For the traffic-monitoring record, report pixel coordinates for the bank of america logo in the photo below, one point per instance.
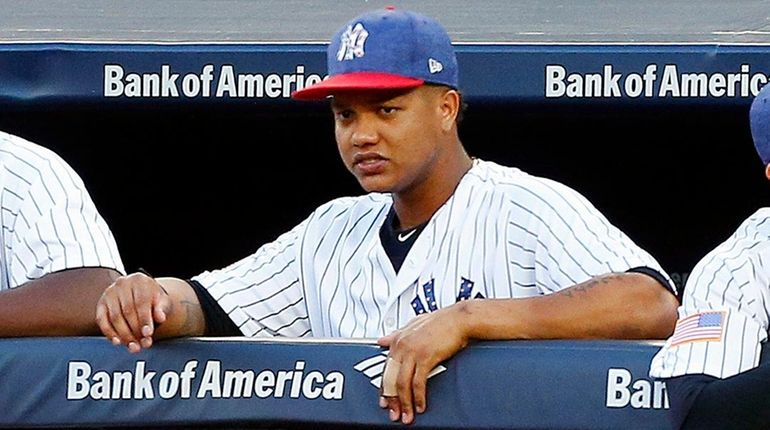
(373, 367)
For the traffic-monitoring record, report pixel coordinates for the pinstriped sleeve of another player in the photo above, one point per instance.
(262, 293)
(574, 241)
(723, 318)
(57, 226)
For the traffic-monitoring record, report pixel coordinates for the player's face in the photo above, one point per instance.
(391, 141)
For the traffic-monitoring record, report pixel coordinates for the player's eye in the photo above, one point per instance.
(343, 114)
(388, 110)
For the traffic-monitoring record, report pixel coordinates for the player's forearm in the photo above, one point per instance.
(58, 304)
(614, 306)
(185, 317)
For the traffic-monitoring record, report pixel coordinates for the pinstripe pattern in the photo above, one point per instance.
(49, 222)
(506, 233)
(734, 278)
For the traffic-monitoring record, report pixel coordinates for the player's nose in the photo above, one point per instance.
(364, 132)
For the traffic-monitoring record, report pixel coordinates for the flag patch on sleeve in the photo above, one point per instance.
(700, 327)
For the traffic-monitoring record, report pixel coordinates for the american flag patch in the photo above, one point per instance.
(703, 326)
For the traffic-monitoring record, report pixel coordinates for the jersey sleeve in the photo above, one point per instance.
(723, 318)
(262, 293)
(58, 228)
(575, 242)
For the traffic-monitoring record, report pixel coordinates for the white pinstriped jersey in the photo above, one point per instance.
(502, 234)
(49, 222)
(732, 283)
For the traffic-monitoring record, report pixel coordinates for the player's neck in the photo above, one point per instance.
(417, 205)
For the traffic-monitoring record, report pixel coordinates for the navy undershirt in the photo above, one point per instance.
(396, 242)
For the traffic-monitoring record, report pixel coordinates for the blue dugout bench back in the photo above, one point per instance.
(82, 382)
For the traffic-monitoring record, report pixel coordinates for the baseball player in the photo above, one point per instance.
(442, 250)
(57, 254)
(714, 362)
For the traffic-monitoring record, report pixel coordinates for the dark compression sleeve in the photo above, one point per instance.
(218, 323)
(738, 402)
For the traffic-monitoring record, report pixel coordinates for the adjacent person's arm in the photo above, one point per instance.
(58, 304)
(59, 253)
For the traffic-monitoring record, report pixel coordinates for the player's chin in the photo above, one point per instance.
(375, 184)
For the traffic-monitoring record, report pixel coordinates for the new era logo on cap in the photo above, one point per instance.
(434, 66)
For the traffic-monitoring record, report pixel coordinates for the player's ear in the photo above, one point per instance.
(767, 171)
(449, 109)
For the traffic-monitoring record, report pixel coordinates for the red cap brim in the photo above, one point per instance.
(356, 81)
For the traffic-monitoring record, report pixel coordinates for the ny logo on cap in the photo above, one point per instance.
(434, 66)
(352, 43)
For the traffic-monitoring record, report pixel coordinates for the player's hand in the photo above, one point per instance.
(415, 350)
(129, 309)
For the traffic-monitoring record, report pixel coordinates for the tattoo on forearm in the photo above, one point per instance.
(584, 287)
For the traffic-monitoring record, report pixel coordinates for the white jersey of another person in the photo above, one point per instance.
(49, 222)
(723, 319)
(502, 234)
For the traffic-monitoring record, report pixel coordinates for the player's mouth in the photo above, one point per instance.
(369, 163)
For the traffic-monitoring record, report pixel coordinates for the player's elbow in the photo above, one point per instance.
(663, 315)
(652, 308)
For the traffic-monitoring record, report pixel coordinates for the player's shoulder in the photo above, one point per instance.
(758, 224)
(30, 159)
(750, 240)
(529, 192)
(741, 257)
(15, 147)
(753, 235)
(342, 209)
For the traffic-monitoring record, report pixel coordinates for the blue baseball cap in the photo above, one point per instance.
(759, 115)
(386, 49)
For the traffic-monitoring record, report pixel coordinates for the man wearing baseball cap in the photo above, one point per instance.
(444, 249)
(716, 363)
